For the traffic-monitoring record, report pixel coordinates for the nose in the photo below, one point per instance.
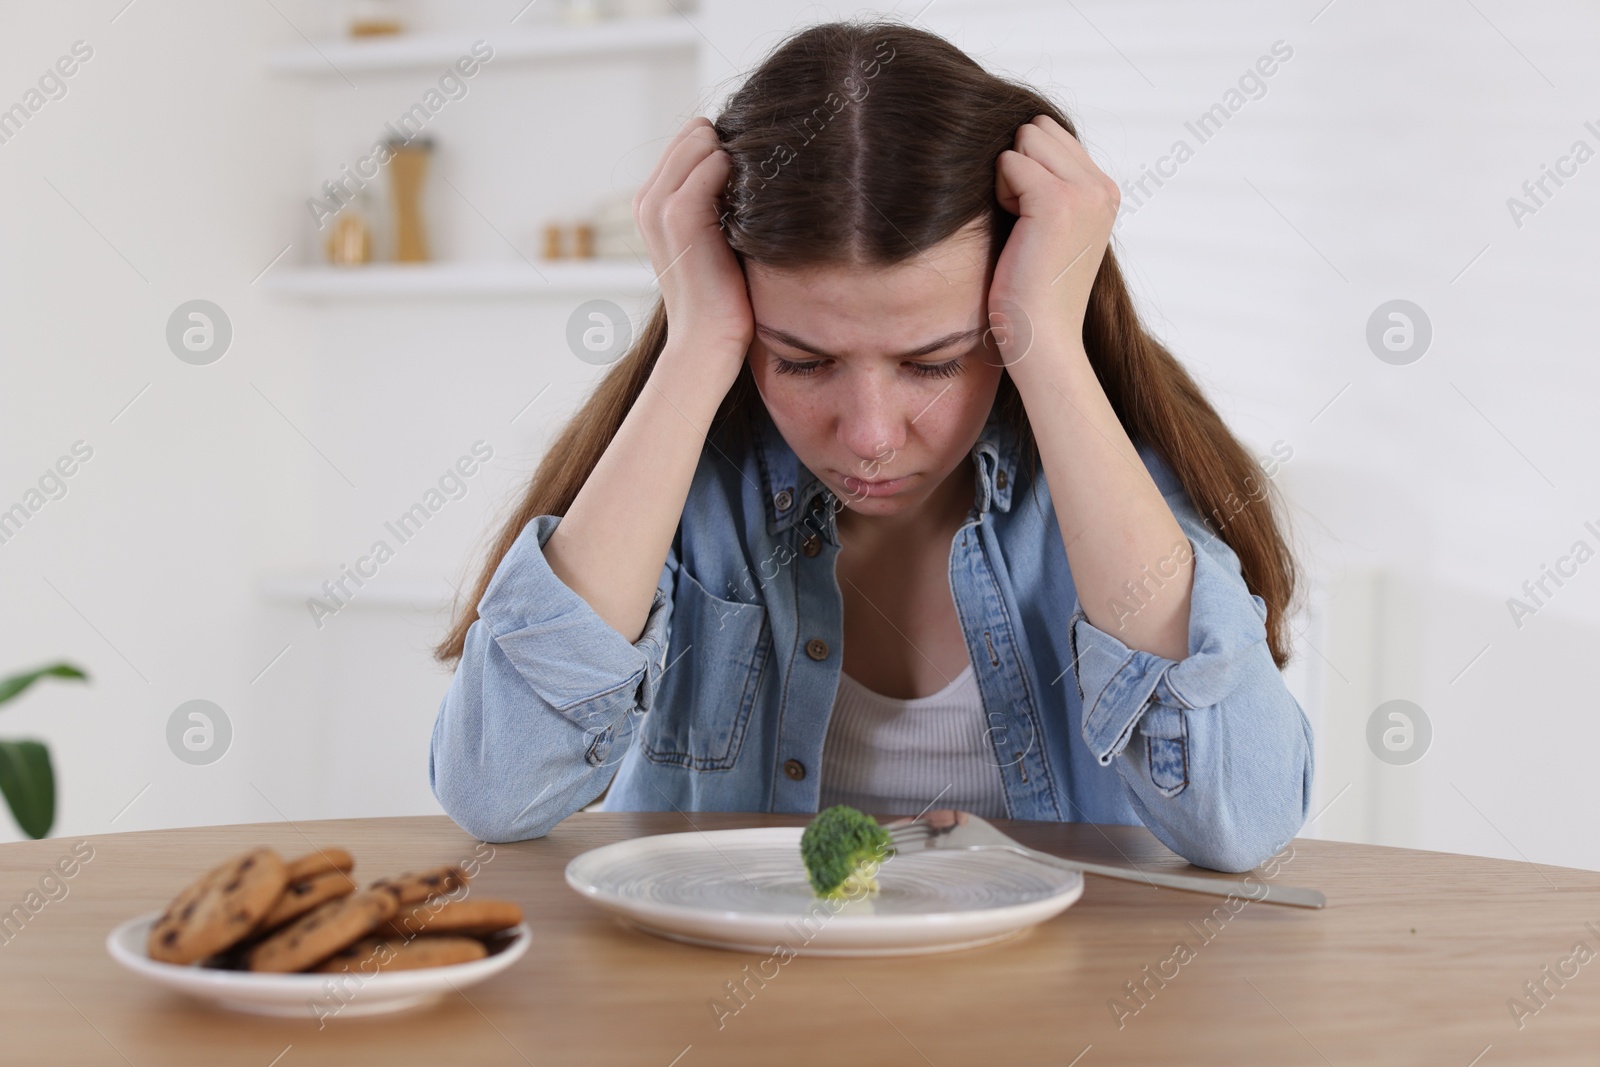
(872, 423)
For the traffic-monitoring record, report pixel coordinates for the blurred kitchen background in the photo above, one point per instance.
(1376, 249)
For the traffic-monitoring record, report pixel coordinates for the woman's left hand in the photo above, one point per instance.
(1066, 207)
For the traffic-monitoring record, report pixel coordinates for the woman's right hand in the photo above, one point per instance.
(678, 212)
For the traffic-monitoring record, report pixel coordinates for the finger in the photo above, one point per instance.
(1003, 190)
(1022, 175)
(655, 172)
(685, 156)
(1057, 150)
(1061, 134)
(702, 184)
(1074, 147)
(666, 155)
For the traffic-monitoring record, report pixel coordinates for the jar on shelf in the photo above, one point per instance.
(581, 12)
(553, 244)
(374, 18)
(408, 165)
(350, 240)
(582, 240)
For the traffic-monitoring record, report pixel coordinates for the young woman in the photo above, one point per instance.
(893, 503)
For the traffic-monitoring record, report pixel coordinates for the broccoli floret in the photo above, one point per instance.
(843, 849)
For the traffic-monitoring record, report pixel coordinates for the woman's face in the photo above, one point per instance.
(880, 379)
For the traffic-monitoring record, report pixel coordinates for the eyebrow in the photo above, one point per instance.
(938, 343)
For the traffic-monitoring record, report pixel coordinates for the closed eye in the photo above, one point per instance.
(948, 369)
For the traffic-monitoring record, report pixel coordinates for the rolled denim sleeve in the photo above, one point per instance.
(545, 688)
(1215, 752)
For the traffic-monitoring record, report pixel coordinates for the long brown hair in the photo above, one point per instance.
(864, 142)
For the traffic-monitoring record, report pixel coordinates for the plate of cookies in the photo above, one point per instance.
(302, 937)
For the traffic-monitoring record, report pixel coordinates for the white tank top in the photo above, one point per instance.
(894, 757)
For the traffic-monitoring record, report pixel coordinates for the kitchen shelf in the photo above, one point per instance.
(462, 279)
(672, 34)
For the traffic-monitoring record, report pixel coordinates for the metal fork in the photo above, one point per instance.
(947, 828)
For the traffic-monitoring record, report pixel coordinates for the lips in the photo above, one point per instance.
(880, 487)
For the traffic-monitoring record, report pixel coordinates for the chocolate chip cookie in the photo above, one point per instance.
(301, 897)
(321, 861)
(469, 918)
(322, 932)
(412, 888)
(220, 908)
(372, 955)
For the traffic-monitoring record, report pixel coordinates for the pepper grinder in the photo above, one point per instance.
(406, 171)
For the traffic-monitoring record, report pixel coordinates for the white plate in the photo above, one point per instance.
(747, 890)
(318, 996)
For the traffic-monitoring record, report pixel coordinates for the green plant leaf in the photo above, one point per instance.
(14, 686)
(29, 785)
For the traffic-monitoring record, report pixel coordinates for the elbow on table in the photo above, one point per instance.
(471, 801)
(501, 831)
(1237, 853)
(1229, 830)
(487, 818)
(1243, 841)
(1253, 834)
(1265, 801)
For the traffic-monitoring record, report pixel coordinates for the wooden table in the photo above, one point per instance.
(1413, 961)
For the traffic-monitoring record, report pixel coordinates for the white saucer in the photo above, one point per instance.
(318, 996)
(747, 890)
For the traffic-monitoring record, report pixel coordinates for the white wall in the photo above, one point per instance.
(1376, 166)
(185, 548)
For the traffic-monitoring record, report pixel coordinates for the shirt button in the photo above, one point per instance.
(794, 769)
(811, 545)
(817, 648)
(600, 747)
(1000, 479)
(783, 500)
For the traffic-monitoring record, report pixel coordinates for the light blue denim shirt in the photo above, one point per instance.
(722, 703)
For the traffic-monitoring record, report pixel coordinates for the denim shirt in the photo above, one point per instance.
(723, 702)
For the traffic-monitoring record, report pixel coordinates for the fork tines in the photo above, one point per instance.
(910, 831)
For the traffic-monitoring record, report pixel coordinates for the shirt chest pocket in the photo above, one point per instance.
(716, 659)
